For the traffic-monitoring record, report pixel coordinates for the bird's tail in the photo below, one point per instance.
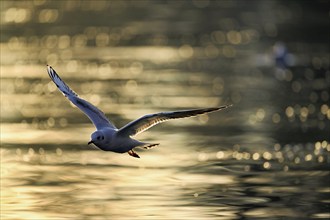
(148, 145)
(144, 145)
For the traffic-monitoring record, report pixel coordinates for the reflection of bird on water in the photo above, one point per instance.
(107, 137)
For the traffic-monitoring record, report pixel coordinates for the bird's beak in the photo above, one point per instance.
(91, 142)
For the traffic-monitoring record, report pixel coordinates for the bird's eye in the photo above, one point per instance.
(102, 137)
(98, 138)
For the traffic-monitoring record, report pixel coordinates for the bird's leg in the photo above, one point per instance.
(133, 154)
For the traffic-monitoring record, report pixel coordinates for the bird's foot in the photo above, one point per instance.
(133, 154)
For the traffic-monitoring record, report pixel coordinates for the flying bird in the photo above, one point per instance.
(109, 138)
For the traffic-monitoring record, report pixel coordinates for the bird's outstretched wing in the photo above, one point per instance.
(94, 114)
(147, 121)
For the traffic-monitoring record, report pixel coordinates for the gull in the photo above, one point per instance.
(109, 138)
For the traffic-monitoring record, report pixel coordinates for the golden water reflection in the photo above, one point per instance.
(48, 183)
(265, 157)
(43, 181)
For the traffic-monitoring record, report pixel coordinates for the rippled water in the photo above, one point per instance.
(267, 157)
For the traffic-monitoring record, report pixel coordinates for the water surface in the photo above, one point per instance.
(267, 157)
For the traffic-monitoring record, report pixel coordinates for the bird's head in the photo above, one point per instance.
(97, 138)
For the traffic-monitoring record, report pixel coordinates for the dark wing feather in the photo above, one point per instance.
(94, 114)
(148, 121)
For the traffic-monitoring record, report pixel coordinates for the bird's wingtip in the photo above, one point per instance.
(225, 106)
